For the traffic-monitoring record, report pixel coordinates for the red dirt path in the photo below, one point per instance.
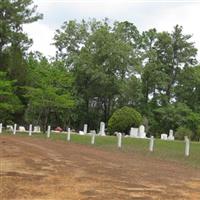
(35, 169)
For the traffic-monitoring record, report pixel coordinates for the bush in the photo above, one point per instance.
(182, 132)
(123, 119)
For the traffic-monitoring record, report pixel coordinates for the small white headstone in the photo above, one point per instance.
(48, 131)
(134, 132)
(102, 129)
(36, 129)
(163, 136)
(151, 144)
(68, 134)
(0, 127)
(9, 127)
(171, 135)
(85, 128)
(141, 132)
(30, 130)
(22, 129)
(14, 129)
(81, 133)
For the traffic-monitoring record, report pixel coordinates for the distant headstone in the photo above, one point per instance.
(81, 133)
(22, 129)
(15, 129)
(0, 127)
(9, 127)
(36, 129)
(85, 128)
(163, 136)
(30, 130)
(141, 132)
(102, 129)
(134, 132)
(171, 135)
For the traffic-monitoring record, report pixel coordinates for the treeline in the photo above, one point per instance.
(99, 67)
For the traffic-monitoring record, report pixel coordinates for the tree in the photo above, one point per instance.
(9, 102)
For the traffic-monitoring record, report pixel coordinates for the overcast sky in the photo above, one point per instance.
(145, 14)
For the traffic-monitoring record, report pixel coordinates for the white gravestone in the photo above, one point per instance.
(68, 134)
(36, 129)
(0, 127)
(93, 133)
(102, 129)
(14, 129)
(187, 146)
(85, 128)
(171, 135)
(9, 127)
(30, 130)
(134, 132)
(81, 133)
(163, 136)
(119, 141)
(22, 129)
(151, 144)
(141, 132)
(48, 131)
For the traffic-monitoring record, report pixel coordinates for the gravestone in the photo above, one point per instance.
(134, 132)
(141, 132)
(30, 130)
(102, 129)
(9, 127)
(85, 128)
(81, 133)
(22, 129)
(36, 129)
(163, 136)
(0, 127)
(171, 135)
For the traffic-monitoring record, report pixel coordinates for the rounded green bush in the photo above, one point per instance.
(123, 119)
(182, 132)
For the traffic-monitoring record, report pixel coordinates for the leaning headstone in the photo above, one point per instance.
(48, 131)
(22, 129)
(0, 127)
(119, 141)
(85, 128)
(14, 129)
(30, 130)
(151, 144)
(163, 136)
(187, 146)
(68, 134)
(93, 133)
(171, 135)
(134, 132)
(141, 132)
(102, 129)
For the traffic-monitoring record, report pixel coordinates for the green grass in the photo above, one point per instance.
(165, 150)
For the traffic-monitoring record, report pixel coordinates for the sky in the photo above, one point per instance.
(145, 14)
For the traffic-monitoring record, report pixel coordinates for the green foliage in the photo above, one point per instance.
(182, 132)
(9, 102)
(123, 119)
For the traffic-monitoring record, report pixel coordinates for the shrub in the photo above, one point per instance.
(123, 119)
(182, 132)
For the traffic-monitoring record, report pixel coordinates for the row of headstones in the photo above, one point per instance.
(93, 133)
(36, 129)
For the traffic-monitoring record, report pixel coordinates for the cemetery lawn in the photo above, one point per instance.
(164, 150)
(40, 168)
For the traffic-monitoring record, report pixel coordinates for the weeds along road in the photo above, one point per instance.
(41, 169)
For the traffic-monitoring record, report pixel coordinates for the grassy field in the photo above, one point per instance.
(165, 150)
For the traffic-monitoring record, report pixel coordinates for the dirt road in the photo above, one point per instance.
(35, 169)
